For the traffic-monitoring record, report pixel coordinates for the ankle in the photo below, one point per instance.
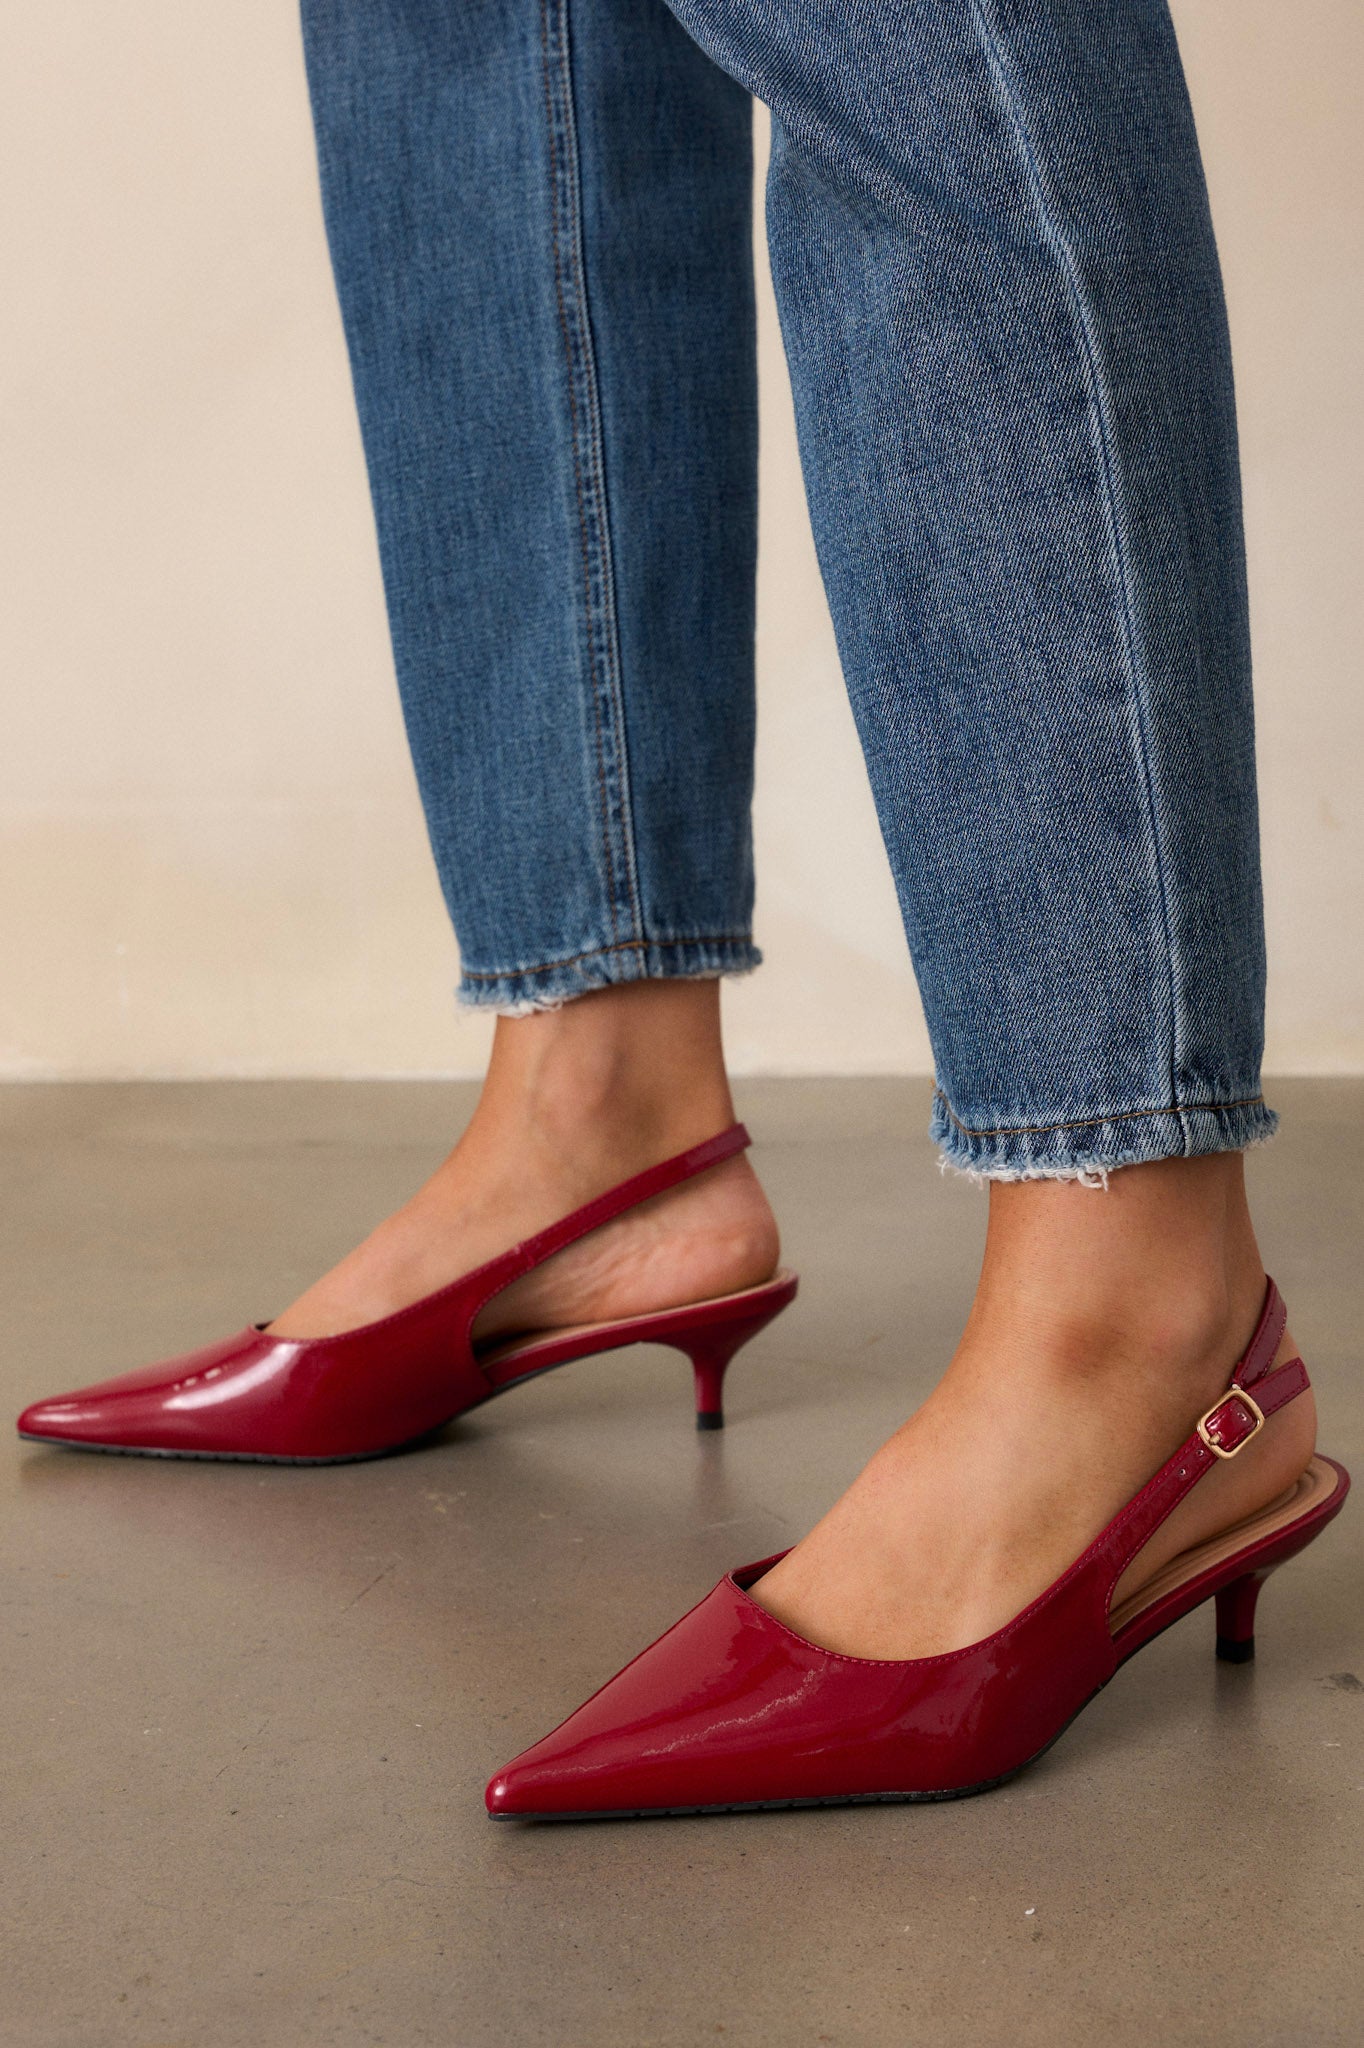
(1177, 1334)
(605, 1086)
(630, 1103)
(1154, 1285)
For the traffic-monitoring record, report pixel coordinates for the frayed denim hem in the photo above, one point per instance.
(520, 991)
(1088, 1149)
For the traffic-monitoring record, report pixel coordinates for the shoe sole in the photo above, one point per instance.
(411, 1443)
(830, 1799)
(70, 1443)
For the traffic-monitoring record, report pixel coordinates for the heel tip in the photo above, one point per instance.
(1235, 1653)
(711, 1420)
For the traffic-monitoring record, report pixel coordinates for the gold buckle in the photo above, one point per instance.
(1248, 1402)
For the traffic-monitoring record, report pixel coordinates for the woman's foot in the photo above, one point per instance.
(1105, 1324)
(575, 1101)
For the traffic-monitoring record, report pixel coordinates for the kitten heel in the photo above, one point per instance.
(714, 1344)
(1235, 1606)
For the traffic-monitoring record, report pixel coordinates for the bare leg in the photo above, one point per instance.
(1104, 1324)
(575, 1100)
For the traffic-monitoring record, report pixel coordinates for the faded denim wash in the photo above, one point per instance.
(1002, 309)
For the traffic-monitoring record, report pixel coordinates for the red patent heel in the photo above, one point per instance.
(709, 1365)
(1235, 1605)
(326, 1400)
(710, 1351)
(731, 1710)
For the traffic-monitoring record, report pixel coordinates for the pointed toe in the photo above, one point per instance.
(58, 1420)
(684, 1728)
(513, 1794)
(562, 1779)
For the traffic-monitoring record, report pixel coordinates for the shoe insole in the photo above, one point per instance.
(1316, 1485)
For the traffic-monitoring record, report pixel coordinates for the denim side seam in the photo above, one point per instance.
(1100, 402)
(1087, 1149)
(518, 991)
(589, 475)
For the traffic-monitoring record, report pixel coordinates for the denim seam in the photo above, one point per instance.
(1118, 1116)
(1100, 411)
(624, 819)
(603, 648)
(620, 946)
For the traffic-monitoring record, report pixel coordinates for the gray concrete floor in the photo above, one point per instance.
(251, 1711)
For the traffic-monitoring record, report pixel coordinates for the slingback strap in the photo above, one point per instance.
(1259, 1353)
(486, 1281)
(1226, 1428)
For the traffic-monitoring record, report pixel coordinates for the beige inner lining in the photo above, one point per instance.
(1317, 1484)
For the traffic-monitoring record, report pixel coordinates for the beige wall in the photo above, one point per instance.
(213, 860)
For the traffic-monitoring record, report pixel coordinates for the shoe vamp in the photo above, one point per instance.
(729, 1707)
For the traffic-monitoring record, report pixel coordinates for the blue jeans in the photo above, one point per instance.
(1002, 310)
